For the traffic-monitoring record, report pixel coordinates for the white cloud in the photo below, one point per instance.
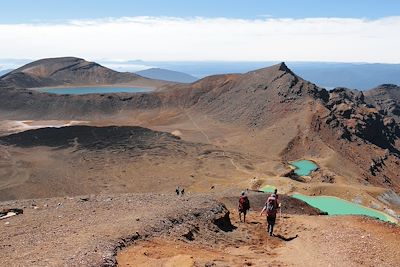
(164, 38)
(123, 66)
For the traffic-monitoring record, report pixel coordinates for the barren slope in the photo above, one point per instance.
(69, 71)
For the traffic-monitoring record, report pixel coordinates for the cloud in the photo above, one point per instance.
(124, 66)
(166, 38)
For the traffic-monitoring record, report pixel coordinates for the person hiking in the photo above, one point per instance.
(182, 191)
(271, 207)
(177, 190)
(279, 203)
(276, 193)
(244, 206)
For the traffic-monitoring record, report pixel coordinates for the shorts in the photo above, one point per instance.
(271, 220)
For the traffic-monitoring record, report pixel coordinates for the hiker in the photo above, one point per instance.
(279, 203)
(182, 191)
(177, 190)
(271, 207)
(244, 206)
(276, 193)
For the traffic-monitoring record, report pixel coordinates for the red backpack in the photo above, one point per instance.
(271, 206)
(244, 203)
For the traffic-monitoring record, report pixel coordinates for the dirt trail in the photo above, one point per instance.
(237, 167)
(341, 241)
(197, 126)
(299, 240)
(247, 245)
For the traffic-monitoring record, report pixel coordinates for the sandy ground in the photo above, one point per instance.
(299, 241)
(88, 230)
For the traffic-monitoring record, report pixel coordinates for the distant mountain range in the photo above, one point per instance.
(356, 76)
(3, 72)
(167, 75)
(361, 76)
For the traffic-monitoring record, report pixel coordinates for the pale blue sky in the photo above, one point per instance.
(26, 11)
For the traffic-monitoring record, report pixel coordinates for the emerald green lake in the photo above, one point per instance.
(268, 188)
(304, 167)
(337, 206)
(94, 90)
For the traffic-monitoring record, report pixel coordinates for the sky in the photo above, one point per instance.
(251, 30)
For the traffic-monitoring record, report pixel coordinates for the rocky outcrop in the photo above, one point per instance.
(386, 98)
(352, 118)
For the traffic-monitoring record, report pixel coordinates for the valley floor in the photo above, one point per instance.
(115, 225)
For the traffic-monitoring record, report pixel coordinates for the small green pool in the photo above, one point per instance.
(268, 188)
(337, 206)
(304, 167)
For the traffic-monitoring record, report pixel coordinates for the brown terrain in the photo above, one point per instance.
(214, 137)
(70, 71)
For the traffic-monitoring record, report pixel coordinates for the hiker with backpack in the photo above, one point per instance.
(271, 207)
(244, 206)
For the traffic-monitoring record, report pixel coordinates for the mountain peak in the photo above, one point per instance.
(283, 67)
(274, 70)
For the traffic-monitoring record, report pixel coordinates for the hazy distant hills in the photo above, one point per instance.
(70, 71)
(360, 76)
(329, 75)
(167, 75)
(357, 76)
(3, 72)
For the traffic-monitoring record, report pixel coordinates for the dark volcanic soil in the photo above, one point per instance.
(89, 137)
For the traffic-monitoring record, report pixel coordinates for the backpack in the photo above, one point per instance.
(271, 206)
(244, 203)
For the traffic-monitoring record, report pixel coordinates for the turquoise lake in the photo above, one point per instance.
(337, 206)
(304, 167)
(268, 188)
(94, 90)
